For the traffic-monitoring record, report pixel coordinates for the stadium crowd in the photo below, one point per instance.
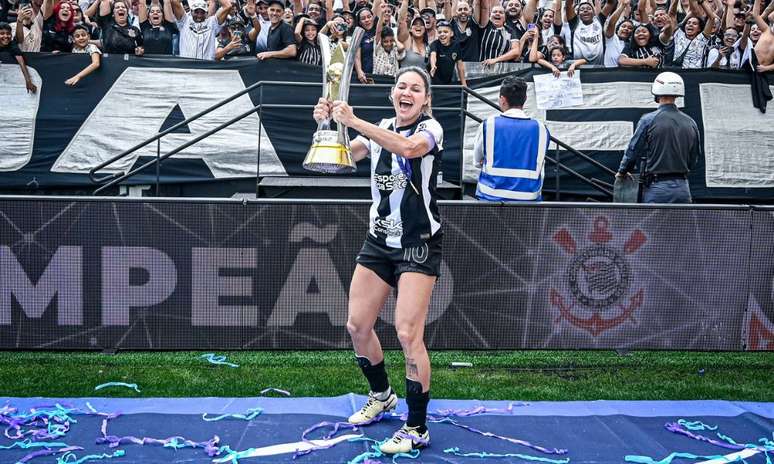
(439, 35)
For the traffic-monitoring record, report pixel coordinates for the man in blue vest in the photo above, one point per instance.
(511, 149)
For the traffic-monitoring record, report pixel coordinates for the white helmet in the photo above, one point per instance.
(668, 83)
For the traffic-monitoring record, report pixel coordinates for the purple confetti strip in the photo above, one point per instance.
(515, 441)
(336, 427)
(47, 452)
(726, 442)
(210, 446)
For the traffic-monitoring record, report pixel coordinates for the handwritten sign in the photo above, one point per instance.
(558, 92)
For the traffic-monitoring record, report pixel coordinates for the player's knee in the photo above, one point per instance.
(357, 329)
(409, 335)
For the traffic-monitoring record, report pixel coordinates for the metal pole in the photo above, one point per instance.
(557, 174)
(158, 164)
(260, 136)
(462, 143)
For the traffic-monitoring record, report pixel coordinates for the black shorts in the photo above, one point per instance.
(389, 263)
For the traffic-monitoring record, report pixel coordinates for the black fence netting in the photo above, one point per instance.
(156, 274)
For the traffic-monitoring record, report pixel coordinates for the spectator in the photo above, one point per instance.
(9, 10)
(57, 27)
(428, 16)
(198, 29)
(497, 45)
(260, 28)
(387, 51)
(287, 17)
(643, 49)
(587, 30)
(349, 18)
(306, 33)
(315, 12)
(691, 42)
(157, 26)
(514, 20)
(414, 39)
(617, 34)
(762, 60)
(118, 35)
(364, 64)
(336, 30)
(232, 40)
(555, 60)
(10, 53)
(467, 32)
(280, 42)
(80, 19)
(82, 44)
(28, 28)
(727, 55)
(549, 20)
(445, 57)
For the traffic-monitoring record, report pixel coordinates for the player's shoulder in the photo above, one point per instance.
(429, 123)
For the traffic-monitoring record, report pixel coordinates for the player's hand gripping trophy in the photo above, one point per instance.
(330, 152)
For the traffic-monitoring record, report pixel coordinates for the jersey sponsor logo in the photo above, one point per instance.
(388, 227)
(599, 278)
(391, 182)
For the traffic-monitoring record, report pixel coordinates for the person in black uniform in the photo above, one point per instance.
(669, 143)
(118, 35)
(402, 248)
(445, 56)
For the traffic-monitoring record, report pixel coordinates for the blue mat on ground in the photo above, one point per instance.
(591, 432)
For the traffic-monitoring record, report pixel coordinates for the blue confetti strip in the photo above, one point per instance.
(376, 453)
(697, 425)
(219, 360)
(250, 415)
(27, 444)
(71, 458)
(484, 455)
(118, 384)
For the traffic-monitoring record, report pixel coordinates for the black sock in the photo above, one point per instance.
(375, 374)
(417, 405)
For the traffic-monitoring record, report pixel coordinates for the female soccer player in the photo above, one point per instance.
(402, 248)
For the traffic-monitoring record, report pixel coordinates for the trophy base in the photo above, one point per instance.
(329, 156)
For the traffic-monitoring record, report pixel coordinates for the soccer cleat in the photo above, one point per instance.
(405, 440)
(373, 408)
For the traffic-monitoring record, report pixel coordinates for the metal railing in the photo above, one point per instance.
(108, 181)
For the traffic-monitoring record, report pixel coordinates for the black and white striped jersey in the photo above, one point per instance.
(494, 42)
(404, 212)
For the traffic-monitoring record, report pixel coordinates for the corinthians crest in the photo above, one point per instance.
(599, 280)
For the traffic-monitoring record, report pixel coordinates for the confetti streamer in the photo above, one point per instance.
(250, 415)
(118, 384)
(483, 455)
(71, 458)
(219, 360)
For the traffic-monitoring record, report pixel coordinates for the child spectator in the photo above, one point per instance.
(387, 51)
(306, 40)
(445, 56)
(81, 44)
(10, 53)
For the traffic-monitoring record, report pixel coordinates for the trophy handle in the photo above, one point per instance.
(346, 78)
